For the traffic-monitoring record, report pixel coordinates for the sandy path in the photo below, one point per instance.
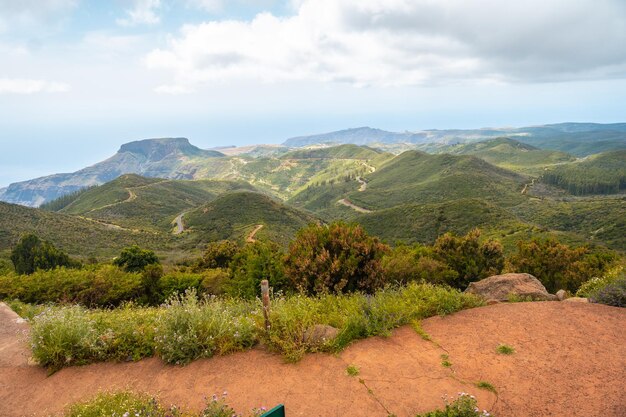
(250, 238)
(347, 203)
(570, 360)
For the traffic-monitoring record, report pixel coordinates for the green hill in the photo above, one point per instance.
(76, 235)
(148, 203)
(604, 173)
(424, 222)
(334, 152)
(511, 154)
(234, 215)
(417, 177)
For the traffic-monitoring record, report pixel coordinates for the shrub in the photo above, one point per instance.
(190, 329)
(557, 265)
(405, 264)
(64, 336)
(150, 283)
(219, 254)
(93, 287)
(120, 404)
(213, 281)
(135, 259)
(255, 262)
(613, 294)
(471, 259)
(32, 253)
(339, 258)
(589, 288)
(187, 328)
(356, 315)
(464, 405)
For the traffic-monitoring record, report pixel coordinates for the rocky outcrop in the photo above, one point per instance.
(502, 287)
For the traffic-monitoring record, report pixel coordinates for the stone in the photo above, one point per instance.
(561, 295)
(577, 300)
(501, 287)
(319, 335)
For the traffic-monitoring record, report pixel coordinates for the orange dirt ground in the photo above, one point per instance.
(569, 360)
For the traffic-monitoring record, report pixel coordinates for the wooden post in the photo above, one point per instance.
(265, 296)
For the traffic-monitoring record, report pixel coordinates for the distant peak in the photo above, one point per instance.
(159, 148)
(141, 146)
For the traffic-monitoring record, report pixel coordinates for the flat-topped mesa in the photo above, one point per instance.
(157, 149)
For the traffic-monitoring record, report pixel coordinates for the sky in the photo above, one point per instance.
(78, 78)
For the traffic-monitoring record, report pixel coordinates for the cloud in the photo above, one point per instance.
(28, 86)
(144, 12)
(33, 14)
(405, 42)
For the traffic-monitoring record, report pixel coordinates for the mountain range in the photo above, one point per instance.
(171, 196)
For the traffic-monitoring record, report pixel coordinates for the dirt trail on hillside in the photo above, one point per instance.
(348, 203)
(250, 238)
(569, 360)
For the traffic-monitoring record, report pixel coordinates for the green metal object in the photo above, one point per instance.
(278, 411)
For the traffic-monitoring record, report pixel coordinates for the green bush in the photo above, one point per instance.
(190, 329)
(253, 263)
(129, 404)
(219, 254)
(405, 264)
(356, 315)
(590, 287)
(338, 258)
(464, 405)
(32, 253)
(135, 259)
(120, 404)
(64, 336)
(187, 328)
(470, 258)
(93, 287)
(559, 266)
(612, 294)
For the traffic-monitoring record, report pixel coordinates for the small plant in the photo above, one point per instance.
(121, 404)
(486, 386)
(352, 370)
(505, 349)
(465, 405)
(417, 326)
(445, 361)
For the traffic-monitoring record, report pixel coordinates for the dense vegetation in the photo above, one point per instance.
(599, 174)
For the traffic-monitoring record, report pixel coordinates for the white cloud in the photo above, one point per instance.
(33, 14)
(404, 42)
(144, 12)
(28, 86)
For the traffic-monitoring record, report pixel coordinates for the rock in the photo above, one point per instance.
(492, 302)
(561, 295)
(320, 334)
(501, 287)
(577, 300)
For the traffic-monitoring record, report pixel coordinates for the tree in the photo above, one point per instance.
(405, 264)
(32, 253)
(338, 258)
(219, 254)
(135, 259)
(471, 259)
(255, 262)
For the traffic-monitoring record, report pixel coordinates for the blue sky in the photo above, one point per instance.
(78, 78)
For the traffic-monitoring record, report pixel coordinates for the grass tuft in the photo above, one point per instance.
(505, 349)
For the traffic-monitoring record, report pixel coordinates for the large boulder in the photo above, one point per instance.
(502, 287)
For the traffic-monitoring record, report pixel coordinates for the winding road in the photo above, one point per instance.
(180, 227)
(347, 203)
